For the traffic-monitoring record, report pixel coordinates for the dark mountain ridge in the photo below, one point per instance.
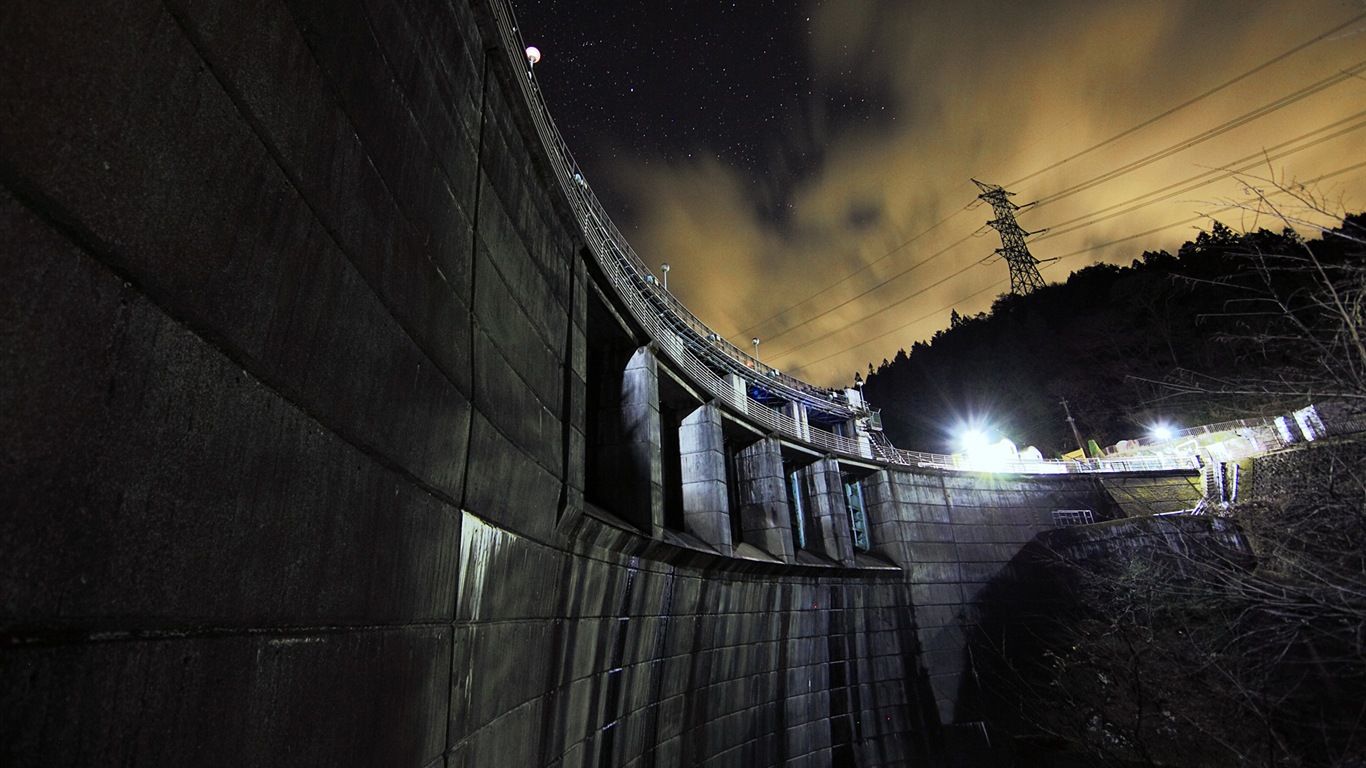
(1213, 333)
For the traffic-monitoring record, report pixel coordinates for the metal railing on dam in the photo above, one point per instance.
(701, 352)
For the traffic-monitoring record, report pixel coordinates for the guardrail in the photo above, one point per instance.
(696, 349)
(1223, 426)
(615, 252)
(1045, 467)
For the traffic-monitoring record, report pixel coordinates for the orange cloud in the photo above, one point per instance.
(877, 247)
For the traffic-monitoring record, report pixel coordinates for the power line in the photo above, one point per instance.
(1190, 187)
(747, 331)
(1211, 133)
(1206, 178)
(1198, 217)
(1074, 189)
(922, 318)
(1205, 135)
(1127, 132)
(1168, 151)
(877, 287)
(999, 283)
(887, 308)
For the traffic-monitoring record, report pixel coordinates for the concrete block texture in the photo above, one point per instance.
(765, 519)
(301, 374)
(629, 442)
(311, 698)
(828, 526)
(666, 662)
(149, 481)
(706, 500)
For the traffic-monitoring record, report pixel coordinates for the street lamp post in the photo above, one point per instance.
(665, 267)
(1073, 423)
(755, 341)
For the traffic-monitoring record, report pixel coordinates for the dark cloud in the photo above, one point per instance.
(823, 200)
(864, 215)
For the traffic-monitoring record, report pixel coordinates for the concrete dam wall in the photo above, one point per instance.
(327, 443)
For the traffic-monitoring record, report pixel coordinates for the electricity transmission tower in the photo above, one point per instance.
(1024, 268)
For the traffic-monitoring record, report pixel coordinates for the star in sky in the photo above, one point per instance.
(805, 167)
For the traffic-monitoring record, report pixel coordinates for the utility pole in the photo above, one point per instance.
(1024, 268)
(1073, 423)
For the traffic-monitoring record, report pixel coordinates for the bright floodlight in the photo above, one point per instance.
(973, 441)
(1163, 432)
(981, 454)
(533, 55)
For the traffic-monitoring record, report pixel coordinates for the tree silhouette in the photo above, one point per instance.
(1237, 640)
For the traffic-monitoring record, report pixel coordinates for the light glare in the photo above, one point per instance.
(973, 440)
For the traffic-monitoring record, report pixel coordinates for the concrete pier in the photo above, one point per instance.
(327, 441)
(764, 513)
(706, 501)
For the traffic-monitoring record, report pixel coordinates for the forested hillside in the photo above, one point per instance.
(1222, 329)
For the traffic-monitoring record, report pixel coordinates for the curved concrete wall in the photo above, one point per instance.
(296, 406)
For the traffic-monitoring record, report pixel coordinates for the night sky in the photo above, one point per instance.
(805, 167)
